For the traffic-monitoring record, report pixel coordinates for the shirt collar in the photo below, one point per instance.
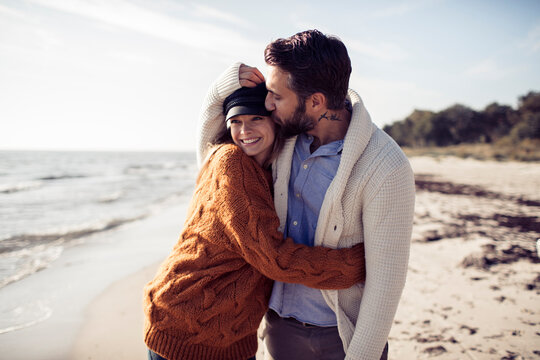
(330, 149)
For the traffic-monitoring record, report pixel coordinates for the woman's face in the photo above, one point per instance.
(254, 134)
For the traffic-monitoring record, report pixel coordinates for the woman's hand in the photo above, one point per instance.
(250, 76)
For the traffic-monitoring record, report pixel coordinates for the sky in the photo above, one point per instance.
(132, 74)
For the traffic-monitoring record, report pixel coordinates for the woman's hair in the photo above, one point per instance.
(224, 137)
(243, 101)
(315, 63)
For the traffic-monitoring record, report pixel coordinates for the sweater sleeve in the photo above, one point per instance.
(251, 225)
(211, 118)
(387, 219)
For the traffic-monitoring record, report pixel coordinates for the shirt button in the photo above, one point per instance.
(305, 166)
(295, 223)
(297, 195)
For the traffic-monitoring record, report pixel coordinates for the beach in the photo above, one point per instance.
(93, 289)
(472, 292)
(473, 287)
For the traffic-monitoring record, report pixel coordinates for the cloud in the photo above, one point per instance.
(391, 100)
(486, 69)
(48, 40)
(381, 51)
(532, 41)
(402, 8)
(122, 13)
(394, 10)
(136, 58)
(7, 11)
(208, 12)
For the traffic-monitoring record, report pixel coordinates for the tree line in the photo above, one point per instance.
(460, 124)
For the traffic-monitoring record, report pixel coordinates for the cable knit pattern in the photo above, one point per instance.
(370, 201)
(211, 293)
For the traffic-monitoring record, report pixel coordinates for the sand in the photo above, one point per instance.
(473, 288)
(114, 325)
(474, 277)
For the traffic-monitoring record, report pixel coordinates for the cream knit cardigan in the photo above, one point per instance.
(370, 200)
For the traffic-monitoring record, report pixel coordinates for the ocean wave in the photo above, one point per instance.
(62, 177)
(26, 254)
(138, 169)
(20, 316)
(21, 186)
(23, 241)
(17, 265)
(109, 198)
(143, 168)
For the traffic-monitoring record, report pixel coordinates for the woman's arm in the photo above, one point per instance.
(247, 213)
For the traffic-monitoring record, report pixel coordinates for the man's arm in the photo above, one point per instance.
(211, 118)
(387, 220)
(244, 209)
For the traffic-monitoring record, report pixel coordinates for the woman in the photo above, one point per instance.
(210, 294)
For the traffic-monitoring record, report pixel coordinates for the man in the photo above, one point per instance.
(338, 181)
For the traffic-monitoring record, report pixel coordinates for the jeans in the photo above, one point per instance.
(153, 356)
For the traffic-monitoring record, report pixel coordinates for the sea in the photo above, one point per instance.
(53, 199)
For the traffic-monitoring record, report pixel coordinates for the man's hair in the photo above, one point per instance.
(315, 63)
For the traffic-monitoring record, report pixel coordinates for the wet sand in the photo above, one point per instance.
(86, 298)
(114, 325)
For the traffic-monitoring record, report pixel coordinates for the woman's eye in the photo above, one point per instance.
(234, 121)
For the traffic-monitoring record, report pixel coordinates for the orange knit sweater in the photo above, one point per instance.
(210, 294)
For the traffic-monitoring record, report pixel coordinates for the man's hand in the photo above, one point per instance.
(250, 76)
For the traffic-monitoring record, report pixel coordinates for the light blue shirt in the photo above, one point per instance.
(311, 174)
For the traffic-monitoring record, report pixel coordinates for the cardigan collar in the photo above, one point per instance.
(360, 130)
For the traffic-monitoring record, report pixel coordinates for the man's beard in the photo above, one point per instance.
(297, 124)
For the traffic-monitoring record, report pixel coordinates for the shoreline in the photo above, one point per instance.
(68, 287)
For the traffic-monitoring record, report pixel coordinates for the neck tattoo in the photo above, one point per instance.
(333, 117)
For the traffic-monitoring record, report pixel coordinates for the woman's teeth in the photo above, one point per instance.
(250, 141)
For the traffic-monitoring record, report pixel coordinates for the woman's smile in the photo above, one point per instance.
(254, 134)
(250, 141)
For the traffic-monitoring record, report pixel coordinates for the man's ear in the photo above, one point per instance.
(317, 102)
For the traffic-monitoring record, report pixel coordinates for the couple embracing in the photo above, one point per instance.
(296, 241)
